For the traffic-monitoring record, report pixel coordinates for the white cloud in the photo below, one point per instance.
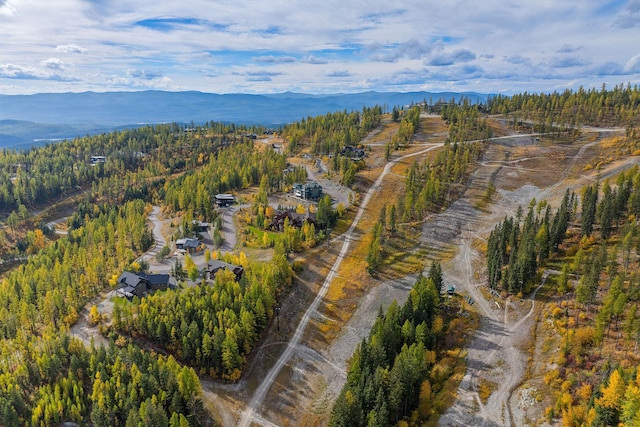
(144, 74)
(633, 64)
(328, 46)
(6, 9)
(53, 63)
(338, 73)
(71, 48)
(441, 59)
(274, 59)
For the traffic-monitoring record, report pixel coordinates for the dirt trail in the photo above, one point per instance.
(83, 329)
(248, 415)
(495, 354)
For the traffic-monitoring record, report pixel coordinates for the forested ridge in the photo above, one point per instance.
(570, 109)
(40, 175)
(328, 134)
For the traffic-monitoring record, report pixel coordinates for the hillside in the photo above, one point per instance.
(510, 311)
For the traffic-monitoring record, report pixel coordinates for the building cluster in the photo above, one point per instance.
(139, 285)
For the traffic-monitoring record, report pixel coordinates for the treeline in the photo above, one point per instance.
(394, 373)
(429, 186)
(433, 184)
(518, 246)
(409, 125)
(569, 109)
(212, 327)
(40, 175)
(330, 133)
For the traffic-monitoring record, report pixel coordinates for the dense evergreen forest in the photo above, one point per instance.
(395, 372)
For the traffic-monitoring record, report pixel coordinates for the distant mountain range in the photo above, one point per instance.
(27, 120)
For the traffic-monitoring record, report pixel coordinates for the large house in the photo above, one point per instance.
(214, 265)
(141, 284)
(353, 153)
(310, 190)
(187, 244)
(224, 200)
(200, 227)
(295, 219)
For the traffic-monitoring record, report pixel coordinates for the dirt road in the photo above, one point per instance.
(495, 354)
(248, 415)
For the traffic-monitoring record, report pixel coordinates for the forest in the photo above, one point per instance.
(587, 249)
(396, 371)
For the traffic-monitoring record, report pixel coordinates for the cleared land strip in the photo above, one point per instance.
(248, 415)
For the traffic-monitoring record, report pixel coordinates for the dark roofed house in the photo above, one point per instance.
(224, 200)
(295, 219)
(159, 281)
(310, 190)
(214, 265)
(353, 153)
(187, 244)
(200, 227)
(141, 284)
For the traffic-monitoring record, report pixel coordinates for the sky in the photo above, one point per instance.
(317, 47)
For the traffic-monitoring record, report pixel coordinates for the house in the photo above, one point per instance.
(188, 244)
(214, 265)
(295, 219)
(310, 190)
(353, 153)
(97, 159)
(200, 227)
(141, 284)
(224, 200)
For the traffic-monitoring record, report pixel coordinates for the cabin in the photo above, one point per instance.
(142, 284)
(200, 227)
(187, 244)
(353, 153)
(310, 190)
(224, 200)
(214, 265)
(97, 159)
(295, 219)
